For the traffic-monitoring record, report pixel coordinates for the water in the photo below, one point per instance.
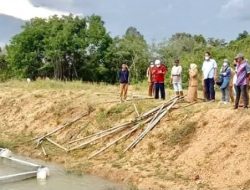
(58, 180)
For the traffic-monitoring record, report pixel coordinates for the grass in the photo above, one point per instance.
(182, 133)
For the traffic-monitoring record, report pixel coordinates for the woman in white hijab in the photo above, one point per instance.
(193, 83)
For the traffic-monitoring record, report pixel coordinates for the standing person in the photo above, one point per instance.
(150, 79)
(243, 71)
(176, 78)
(124, 80)
(193, 83)
(209, 69)
(225, 74)
(159, 76)
(231, 83)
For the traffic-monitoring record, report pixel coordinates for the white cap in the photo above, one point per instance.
(157, 62)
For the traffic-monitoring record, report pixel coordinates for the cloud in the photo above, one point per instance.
(25, 10)
(238, 9)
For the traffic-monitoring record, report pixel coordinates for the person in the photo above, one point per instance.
(150, 79)
(225, 75)
(231, 83)
(243, 72)
(159, 75)
(209, 69)
(176, 78)
(193, 83)
(124, 80)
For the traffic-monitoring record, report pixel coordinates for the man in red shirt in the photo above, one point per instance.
(159, 75)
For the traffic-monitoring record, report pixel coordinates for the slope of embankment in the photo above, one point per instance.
(202, 146)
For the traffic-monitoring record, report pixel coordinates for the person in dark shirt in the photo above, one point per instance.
(124, 80)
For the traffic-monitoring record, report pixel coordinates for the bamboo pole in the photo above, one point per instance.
(97, 138)
(56, 144)
(60, 128)
(101, 132)
(136, 110)
(44, 152)
(115, 141)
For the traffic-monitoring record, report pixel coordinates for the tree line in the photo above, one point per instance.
(81, 48)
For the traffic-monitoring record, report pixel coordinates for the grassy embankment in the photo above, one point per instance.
(203, 146)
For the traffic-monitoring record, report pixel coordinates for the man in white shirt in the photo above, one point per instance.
(176, 78)
(209, 69)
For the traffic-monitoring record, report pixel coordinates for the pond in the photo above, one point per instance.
(58, 179)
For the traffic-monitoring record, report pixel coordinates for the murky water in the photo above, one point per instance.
(58, 180)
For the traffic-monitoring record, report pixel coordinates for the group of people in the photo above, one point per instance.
(231, 80)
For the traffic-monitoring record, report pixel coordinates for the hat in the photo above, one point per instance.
(157, 62)
(239, 55)
(225, 60)
(152, 63)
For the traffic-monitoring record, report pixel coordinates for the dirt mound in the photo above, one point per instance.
(203, 146)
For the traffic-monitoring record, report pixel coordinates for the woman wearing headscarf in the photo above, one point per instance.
(193, 83)
(225, 74)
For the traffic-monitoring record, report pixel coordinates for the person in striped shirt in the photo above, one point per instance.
(243, 72)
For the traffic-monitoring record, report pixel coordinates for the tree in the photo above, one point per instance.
(62, 48)
(242, 35)
(131, 49)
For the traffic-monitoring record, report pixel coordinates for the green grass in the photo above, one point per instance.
(182, 133)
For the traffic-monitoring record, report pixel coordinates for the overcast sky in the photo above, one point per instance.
(155, 19)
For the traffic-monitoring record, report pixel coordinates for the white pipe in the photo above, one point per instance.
(22, 162)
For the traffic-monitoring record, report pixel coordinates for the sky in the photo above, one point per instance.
(156, 19)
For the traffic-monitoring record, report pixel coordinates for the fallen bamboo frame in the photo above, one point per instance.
(149, 127)
(118, 139)
(115, 141)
